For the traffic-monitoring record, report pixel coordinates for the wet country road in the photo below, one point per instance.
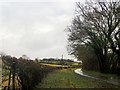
(108, 80)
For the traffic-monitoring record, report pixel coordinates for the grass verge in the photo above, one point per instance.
(66, 78)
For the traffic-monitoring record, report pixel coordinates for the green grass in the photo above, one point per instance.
(66, 78)
(61, 63)
(113, 77)
(53, 65)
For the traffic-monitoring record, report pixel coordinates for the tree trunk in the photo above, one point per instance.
(102, 63)
(9, 80)
(13, 80)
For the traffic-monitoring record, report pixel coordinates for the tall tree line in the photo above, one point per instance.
(95, 30)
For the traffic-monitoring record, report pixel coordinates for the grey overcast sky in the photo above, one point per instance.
(36, 29)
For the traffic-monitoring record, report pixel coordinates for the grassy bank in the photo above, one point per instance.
(108, 76)
(66, 78)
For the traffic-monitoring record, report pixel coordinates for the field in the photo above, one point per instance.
(63, 76)
(66, 78)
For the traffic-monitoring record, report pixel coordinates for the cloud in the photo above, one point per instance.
(35, 29)
(40, 0)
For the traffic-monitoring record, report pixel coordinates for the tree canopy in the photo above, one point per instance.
(96, 26)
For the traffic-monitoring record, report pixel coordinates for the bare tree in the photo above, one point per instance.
(97, 25)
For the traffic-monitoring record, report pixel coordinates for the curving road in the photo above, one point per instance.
(79, 71)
